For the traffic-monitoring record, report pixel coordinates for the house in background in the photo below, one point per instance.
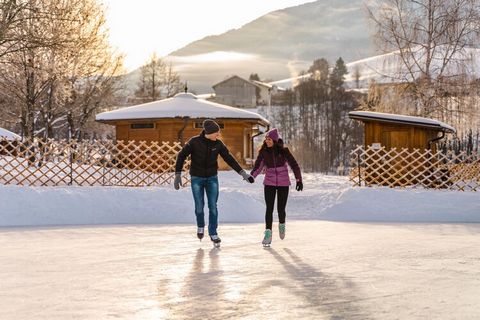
(238, 92)
(180, 118)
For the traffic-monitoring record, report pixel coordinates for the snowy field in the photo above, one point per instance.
(329, 198)
(131, 253)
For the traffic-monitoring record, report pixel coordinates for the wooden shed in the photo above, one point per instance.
(399, 131)
(414, 139)
(180, 118)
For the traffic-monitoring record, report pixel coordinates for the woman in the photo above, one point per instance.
(273, 158)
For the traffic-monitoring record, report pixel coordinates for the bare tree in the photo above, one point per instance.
(432, 41)
(57, 84)
(157, 79)
(172, 85)
(10, 18)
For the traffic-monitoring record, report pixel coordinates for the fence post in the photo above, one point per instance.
(359, 171)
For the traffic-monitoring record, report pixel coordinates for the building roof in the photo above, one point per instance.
(401, 119)
(232, 77)
(4, 133)
(255, 83)
(181, 106)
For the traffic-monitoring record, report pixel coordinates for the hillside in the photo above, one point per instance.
(277, 45)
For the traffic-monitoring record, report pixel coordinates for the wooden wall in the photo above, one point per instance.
(398, 136)
(236, 134)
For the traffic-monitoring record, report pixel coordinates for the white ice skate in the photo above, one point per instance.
(267, 239)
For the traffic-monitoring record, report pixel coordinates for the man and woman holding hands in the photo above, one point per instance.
(273, 159)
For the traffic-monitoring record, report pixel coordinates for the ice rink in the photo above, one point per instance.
(322, 270)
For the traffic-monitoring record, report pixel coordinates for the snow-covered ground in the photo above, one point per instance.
(350, 253)
(324, 198)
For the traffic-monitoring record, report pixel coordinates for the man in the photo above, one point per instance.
(204, 150)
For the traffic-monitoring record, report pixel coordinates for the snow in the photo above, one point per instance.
(385, 265)
(388, 68)
(4, 133)
(400, 118)
(182, 105)
(330, 198)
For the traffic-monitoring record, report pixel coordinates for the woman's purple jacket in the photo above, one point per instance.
(274, 165)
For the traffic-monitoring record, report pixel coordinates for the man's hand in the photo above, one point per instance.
(177, 183)
(246, 176)
(299, 186)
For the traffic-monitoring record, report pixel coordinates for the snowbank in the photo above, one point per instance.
(324, 198)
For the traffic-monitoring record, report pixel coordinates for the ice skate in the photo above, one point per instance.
(281, 230)
(216, 240)
(267, 239)
(200, 233)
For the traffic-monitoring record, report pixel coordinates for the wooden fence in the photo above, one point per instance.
(51, 162)
(417, 168)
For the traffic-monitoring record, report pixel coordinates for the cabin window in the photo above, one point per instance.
(142, 126)
(199, 125)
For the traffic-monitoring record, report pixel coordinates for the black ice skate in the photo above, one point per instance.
(216, 241)
(200, 233)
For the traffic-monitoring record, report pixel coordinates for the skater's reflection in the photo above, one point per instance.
(203, 287)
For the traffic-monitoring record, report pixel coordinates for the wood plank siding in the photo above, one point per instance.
(398, 136)
(236, 134)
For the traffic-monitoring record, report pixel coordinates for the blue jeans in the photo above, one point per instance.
(200, 186)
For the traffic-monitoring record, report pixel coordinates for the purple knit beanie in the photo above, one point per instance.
(273, 134)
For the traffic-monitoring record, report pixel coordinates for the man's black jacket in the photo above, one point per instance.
(204, 154)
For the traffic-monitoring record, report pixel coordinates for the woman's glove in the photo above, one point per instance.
(177, 183)
(299, 186)
(246, 176)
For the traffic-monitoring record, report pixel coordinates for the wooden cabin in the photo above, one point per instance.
(384, 132)
(398, 131)
(181, 117)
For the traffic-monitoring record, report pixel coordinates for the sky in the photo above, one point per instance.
(140, 27)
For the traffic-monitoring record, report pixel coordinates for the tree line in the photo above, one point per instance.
(314, 118)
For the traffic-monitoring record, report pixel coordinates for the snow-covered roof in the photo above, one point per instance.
(396, 118)
(4, 133)
(180, 106)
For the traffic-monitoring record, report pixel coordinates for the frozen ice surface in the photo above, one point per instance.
(322, 270)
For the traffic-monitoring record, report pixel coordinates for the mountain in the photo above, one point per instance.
(324, 28)
(277, 45)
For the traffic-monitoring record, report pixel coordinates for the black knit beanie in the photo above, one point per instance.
(210, 126)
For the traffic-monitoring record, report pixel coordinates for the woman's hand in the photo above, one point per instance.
(299, 186)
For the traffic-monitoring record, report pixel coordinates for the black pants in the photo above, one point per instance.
(270, 192)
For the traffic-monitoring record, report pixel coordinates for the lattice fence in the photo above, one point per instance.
(50, 162)
(417, 168)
